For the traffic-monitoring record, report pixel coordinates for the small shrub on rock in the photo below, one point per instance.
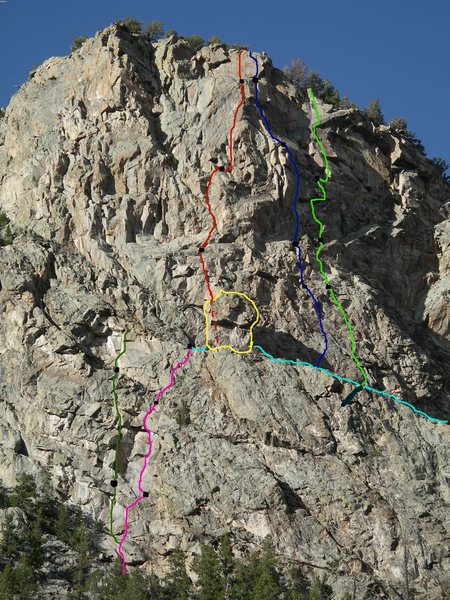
(78, 42)
(154, 31)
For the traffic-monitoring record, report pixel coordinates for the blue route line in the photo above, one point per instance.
(296, 241)
(339, 378)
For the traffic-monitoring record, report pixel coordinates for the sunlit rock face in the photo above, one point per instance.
(105, 157)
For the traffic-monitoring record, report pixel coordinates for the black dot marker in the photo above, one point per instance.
(116, 369)
(255, 80)
(156, 402)
(320, 240)
(241, 81)
(304, 286)
(328, 286)
(295, 244)
(114, 483)
(145, 494)
(190, 346)
(317, 178)
(201, 249)
(221, 168)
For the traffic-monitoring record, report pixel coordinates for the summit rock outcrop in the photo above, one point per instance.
(105, 157)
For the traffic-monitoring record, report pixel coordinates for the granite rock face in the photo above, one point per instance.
(105, 157)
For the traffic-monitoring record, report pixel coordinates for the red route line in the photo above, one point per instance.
(208, 204)
(205, 272)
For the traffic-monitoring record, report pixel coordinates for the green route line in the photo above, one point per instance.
(321, 185)
(119, 432)
(339, 378)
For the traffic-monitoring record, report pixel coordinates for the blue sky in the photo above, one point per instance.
(395, 50)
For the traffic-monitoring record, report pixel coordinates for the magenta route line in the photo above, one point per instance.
(147, 456)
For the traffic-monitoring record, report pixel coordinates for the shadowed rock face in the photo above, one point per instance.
(104, 161)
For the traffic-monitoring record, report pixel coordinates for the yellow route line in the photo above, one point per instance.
(214, 348)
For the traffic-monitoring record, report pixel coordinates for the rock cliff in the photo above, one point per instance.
(105, 158)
